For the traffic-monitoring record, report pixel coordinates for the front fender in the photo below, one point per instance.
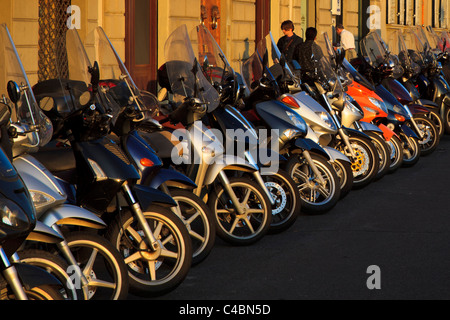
(227, 162)
(45, 234)
(353, 132)
(171, 178)
(408, 131)
(335, 155)
(147, 196)
(33, 277)
(370, 127)
(417, 109)
(72, 215)
(308, 144)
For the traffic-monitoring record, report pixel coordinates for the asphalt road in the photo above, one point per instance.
(400, 224)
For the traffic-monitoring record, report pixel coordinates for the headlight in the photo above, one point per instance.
(400, 110)
(291, 134)
(353, 108)
(379, 104)
(408, 112)
(41, 199)
(12, 215)
(298, 121)
(326, 117)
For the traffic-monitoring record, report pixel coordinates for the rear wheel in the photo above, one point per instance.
(438, 122)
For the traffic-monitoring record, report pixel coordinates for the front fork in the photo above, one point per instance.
(258, 177)
(12, 277)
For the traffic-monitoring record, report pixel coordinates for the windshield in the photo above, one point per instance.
(26, 112)
(115, 75)
(373, 49)
(184, 72)
(419, 48)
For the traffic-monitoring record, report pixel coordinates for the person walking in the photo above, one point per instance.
(290, 41)
(347, 42)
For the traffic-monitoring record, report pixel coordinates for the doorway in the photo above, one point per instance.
(141, 42)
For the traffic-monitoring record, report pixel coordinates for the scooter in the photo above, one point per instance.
(137, 111)
(307, 162)
(242, 209)
(152, 240)
(238, 131)
(19, 281)
(31, 130)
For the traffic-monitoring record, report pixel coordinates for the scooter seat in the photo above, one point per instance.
(161, 142)
(60, 161)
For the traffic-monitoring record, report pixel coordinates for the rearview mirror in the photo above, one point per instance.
(13, 91)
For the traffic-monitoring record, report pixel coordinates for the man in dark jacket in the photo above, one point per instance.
(290, 41)
(308, 53)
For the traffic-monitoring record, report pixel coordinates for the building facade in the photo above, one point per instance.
(139, 28)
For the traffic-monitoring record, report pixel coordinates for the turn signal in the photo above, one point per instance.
(147, 162)
(290, 101)
(400, 118)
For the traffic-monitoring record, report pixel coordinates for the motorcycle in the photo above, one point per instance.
(280, 187)
(136, 116)
(307, 162)
(241, 208)
(98, 176)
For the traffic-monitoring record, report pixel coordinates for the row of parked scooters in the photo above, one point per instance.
(108, 190)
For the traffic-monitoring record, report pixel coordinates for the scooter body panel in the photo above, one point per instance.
(67, 214)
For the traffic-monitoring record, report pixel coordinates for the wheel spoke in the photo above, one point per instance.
(233, 227)
(102, 284)
(249, 224)
(90, 264)
(134, 234)
(192, 219)
(169, 254)
(134, 257)
(152, 270)
(195, 235)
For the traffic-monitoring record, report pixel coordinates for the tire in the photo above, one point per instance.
(345, 174)
(365, 167)
(313, 201)
(437, 120)
(54, 265)
(287, 201)
(431, 140)
(150, 273)
(40, 293)
(199, 221)
(383, 153)
(446, 119)
(411, 151)
(108, 267)
(396, 152)
(251, 226)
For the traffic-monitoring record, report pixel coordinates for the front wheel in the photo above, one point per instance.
(396, 153)
(246, 227)
(383, 153)
(101, 264)
(345, 174)
(431, 137)
(317, 196)
(287, 200)
(199, 221)
(153, 272)
(365, 165)
(411, 151)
